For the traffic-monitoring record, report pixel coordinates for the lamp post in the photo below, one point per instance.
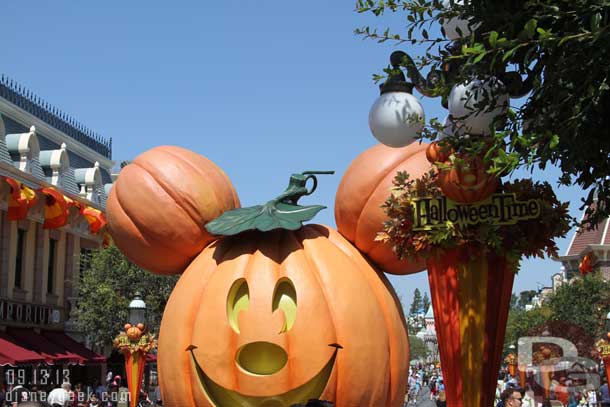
(134, 343)
(603, 347)
(137, 310)
(472, 296)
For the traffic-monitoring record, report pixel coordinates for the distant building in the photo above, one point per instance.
(54, 179)
(584, 242)
(428, 335)
(595, 242)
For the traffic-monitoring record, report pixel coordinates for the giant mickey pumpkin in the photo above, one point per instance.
(269, 318)
(364, 188)
(276, 318)
(159, 205)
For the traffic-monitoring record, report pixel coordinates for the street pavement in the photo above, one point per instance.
(423, 400)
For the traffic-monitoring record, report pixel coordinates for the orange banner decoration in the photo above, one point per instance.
(55, 209)
(586, 264)
(95, 218)
(470, 298)
(134, 368)
(20, 200)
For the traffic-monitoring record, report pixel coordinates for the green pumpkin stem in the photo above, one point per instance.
(282, 212)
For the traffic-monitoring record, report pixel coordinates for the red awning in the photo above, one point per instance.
(51, 352)
(13, 353)
(73, 346)
(6, 361)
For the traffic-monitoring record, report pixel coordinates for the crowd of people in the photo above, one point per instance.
(425, 382)
(562, 391)
(114, 394)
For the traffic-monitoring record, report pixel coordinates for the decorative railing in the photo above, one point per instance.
(35, 105)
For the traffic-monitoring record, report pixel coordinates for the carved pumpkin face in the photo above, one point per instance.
(134, 333)
(277, 318)
(467, 181)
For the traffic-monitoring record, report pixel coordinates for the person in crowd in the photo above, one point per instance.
(94, 401)
(604, 394)
(99, 389)
(592, 397)
(123, 393)
(561, 391)
(112, 396)
(78, 396)
(17, 394)
(441, 398)
(512, 397)
(158, 400)
(60, 396)
(528, 398)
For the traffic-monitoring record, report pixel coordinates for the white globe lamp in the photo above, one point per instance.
(456, 28)
(137, 310)
(465, 105)
(396, 118)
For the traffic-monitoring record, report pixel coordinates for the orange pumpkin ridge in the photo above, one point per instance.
(338, 297)
(364, 187)
(160, 203)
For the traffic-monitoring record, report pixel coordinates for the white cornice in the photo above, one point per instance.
(58, 137)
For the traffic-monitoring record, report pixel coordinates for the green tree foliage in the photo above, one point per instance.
(107, 288)
(558, 53)
(518, 302)
(417, 302)
(585, 302)
(417, 348)
(520, 322)
(426, 302)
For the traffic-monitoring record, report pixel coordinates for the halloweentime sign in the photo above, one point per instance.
(498, 209)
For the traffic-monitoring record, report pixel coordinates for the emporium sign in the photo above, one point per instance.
(498, 209)
(30, 314)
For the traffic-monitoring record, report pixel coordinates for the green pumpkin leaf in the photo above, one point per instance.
(263, 218)
(282, 212)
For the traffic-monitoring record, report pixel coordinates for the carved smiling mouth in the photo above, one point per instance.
(222, 397)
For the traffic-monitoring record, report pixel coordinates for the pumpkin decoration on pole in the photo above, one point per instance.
(511, 361)
(273, 313)
(134, 343)
(544, 358)
(472, 253)
(603, 348)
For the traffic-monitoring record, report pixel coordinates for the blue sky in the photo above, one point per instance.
(263, 88)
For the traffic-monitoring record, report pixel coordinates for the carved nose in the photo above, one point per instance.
(261, 358)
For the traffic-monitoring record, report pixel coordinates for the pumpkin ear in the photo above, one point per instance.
(365, 186)
(158, 207)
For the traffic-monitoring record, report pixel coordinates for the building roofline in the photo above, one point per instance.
(27, 119)
(26, 100)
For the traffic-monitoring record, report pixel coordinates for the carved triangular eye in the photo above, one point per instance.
(285, 298)
(237, 301)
